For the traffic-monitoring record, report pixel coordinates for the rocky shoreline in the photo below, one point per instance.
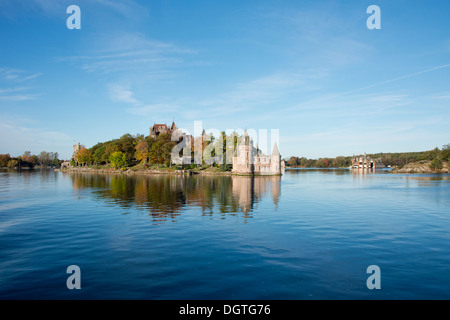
(142, 172)
(421, 167)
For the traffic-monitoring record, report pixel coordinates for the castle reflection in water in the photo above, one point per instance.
(166, 197)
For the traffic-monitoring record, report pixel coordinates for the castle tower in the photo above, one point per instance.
(243, 161)
(275, 160)
(173, 127)
(76, 148)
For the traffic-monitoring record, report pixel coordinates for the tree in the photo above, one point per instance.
(127, 145)
(4, 159)
(13, 163)
(341, 162)
(321, 163)
(110, 148)
(84, 156)
(167, 153)
(227, 156)
(44, 158)
(293, 161)
(142, 151)
(29, 160)
(160, 150)
(118, 159)
(99, 153)
(55, 160)
(436, 164)
(445, 152)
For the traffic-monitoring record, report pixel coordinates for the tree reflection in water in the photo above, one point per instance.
(166, 196)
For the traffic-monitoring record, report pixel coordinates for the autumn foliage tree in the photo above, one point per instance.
(84, 156)
(160, 150)
(142, 151)
(4, 159)
(29, 159)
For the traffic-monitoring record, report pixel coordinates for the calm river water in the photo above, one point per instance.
(310, 234)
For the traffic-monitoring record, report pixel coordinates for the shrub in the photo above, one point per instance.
(13, 163)
(436, 164)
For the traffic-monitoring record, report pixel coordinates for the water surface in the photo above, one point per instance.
(310, 234)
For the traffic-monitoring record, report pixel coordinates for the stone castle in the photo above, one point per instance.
(76, 148)
(158, 129)
(249, 160)
(365, 162)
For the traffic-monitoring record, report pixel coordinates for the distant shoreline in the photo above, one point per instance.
(163, 171)
(419, 167)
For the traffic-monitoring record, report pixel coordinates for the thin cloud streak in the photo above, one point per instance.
(13, 77)
(153, 109)
(120, 93)
(129, 9)
(410, 75)
(10, 74)
(130, 52)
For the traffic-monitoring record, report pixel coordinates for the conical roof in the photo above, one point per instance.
(275, 151)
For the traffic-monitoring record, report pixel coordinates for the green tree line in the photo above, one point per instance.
(44, 159)
(436, 156)
(128, 150)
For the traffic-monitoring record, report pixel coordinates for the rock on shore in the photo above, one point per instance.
(421, 167)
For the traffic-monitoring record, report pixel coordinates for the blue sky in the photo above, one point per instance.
(311, 69)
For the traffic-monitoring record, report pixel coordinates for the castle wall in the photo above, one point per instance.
(247, 163)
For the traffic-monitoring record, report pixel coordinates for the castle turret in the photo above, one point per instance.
(76, 148)
(275, 160)
(243, 160)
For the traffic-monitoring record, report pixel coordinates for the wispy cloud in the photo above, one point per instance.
(130, 9)
(17, 75)
(258, 92)
(121, 93)
(17, 97)
(152, 109)
(12, 8)
(330, 39)
(130, 52)
(368, 103)
(10, 77)
(441, 96)
(57, 8)
(406, 76)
